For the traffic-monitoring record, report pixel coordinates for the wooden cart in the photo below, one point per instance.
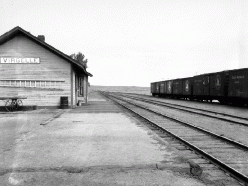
(13, 103)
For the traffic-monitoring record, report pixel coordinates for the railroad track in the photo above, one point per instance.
(229, 155)
(207, 113)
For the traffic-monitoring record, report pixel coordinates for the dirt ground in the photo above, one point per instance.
(77, 148)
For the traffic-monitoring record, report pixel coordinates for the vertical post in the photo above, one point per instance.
(71, 86)
(86, 91)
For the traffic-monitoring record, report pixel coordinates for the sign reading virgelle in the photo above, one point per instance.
(19, 60)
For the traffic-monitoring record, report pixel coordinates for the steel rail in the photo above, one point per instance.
(214, 112)
(240, 145)
(236, 174)
(168, 105)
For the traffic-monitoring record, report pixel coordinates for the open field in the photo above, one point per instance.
(129, 89)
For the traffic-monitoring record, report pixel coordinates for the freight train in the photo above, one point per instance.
(228, 87)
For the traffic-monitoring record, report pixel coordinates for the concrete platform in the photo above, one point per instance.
(95, 144)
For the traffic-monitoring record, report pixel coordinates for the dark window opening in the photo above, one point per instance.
(81, 86)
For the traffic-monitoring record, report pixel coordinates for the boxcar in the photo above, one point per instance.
(206, 86)
(238, 86)
(226, 86)
(197, 85)
(201, 88)
(177, 88)
(219, 86)
(161, 89)
(157, 88)
(187, 87)
(153, 89)
(169, 85)
(165, 88)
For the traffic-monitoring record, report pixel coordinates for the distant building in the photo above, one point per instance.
(32, 68)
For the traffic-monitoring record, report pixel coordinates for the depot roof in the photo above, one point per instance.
(18, 30)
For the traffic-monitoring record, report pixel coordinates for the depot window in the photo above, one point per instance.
(32, 83)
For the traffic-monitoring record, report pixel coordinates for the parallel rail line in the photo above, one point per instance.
(192, 137)
(185, 109)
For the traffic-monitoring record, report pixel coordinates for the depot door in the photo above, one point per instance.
(80, 86)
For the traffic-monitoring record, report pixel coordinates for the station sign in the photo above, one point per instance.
(15, 60)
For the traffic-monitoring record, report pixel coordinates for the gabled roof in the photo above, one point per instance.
(18, 30)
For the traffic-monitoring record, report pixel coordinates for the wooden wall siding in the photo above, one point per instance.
(51, 68)
(35, 97)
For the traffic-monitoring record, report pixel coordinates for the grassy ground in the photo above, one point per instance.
(128, 89)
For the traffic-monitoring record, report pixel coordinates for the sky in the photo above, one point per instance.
(136, 42)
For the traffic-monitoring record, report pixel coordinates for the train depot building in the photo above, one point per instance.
(31, 68)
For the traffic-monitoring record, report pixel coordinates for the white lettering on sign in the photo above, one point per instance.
(238, 77)
(19, 60)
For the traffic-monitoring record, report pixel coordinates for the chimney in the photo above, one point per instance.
(41, 38)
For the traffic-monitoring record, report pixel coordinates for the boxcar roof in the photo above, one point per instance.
(18, 30)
